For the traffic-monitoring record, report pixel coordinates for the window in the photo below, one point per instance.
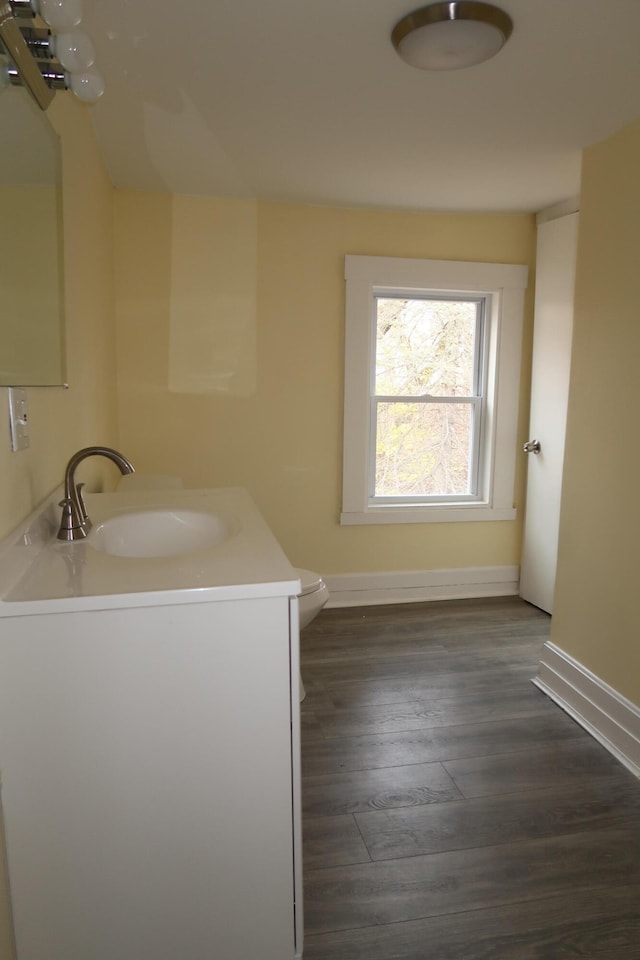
(432, 371)
(428, 382)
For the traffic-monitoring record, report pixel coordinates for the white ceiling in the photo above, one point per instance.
(307, 101)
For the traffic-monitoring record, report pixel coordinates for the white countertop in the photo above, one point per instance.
(40, 574)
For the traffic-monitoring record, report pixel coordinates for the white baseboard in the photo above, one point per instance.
(410, 586)
(613, 720)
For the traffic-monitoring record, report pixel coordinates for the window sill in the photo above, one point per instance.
(429, 513)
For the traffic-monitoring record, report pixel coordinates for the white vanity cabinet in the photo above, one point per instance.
(150, 780)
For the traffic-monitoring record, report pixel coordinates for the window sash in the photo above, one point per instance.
(474, 494)
(476, 401)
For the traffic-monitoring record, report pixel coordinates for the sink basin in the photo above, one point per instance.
(159, 533)
(147, 547)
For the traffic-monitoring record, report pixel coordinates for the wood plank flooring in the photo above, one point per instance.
(450, 810)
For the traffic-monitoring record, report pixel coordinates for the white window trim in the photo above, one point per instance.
(506, 283)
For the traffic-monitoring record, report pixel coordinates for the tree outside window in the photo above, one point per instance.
(426, 405)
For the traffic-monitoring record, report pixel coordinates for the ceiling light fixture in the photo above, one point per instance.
(450, 36)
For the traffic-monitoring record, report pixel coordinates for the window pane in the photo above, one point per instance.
(425, 347)
(423, 449)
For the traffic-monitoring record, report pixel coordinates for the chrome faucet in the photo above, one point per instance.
(75, 523)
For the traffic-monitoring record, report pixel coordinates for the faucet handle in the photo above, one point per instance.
(70, 527)
(83, 516)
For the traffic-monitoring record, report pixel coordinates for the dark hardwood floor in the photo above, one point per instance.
(451, 811)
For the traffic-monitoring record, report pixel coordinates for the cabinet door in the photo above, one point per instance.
(146, 770)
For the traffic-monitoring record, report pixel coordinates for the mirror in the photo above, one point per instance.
(31, 255)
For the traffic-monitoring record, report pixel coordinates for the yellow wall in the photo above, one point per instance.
(275, 425)
(61, 421)
(596, 613)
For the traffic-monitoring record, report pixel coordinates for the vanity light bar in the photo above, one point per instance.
(45, 60)
(26, 67)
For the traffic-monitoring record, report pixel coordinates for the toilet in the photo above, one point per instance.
(312, 597)
(311, 600)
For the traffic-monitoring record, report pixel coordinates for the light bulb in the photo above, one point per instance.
(88, 86)
(74, 50)
(59, 14)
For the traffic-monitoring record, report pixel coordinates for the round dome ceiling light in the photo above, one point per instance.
(451, 36)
